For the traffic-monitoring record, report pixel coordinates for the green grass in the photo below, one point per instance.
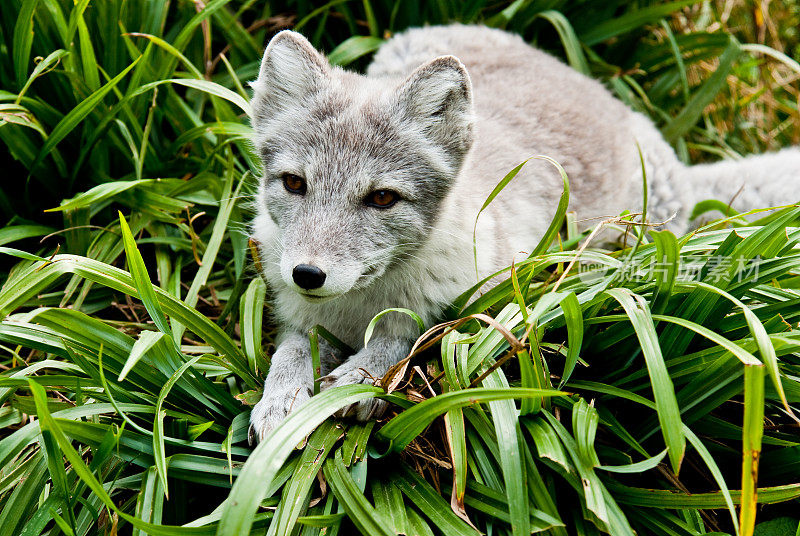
(651, 389)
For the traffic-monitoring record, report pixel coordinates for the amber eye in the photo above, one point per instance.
(293, 183)
(382, 198)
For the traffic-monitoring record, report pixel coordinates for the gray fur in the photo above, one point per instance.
(418, 124)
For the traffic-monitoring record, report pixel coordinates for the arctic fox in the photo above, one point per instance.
(372, 184)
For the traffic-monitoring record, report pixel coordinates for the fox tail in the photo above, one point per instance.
(759, 181)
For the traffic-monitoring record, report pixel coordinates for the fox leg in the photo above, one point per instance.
(367, 366)
(288, 386)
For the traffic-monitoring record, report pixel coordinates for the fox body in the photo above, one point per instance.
(372, 185)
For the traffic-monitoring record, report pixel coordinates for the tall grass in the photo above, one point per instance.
(650, 389)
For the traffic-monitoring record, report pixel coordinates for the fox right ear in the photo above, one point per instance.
(438, 97)
(290, 70)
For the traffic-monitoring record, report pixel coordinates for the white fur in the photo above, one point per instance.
(467, 121)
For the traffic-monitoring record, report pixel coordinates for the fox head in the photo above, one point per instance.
(355, 169)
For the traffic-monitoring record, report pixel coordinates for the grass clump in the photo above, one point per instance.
(644, 393)
(650, 390)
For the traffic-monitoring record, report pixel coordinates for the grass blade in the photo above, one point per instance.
(358, 509)
(667, 406)
(267, 459)
(76, 115)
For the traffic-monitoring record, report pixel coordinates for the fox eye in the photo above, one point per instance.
(294, 183)
(382, 199)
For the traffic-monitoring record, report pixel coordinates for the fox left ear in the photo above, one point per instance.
(290, 71)
(438, 96)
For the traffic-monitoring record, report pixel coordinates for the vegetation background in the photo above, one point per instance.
(132, 345)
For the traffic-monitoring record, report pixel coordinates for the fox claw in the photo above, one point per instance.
(364, 410)
(272, 409)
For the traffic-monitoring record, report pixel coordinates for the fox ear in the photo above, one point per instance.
(290, 70)
(438, 96)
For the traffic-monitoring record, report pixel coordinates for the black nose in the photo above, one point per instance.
(308, 276)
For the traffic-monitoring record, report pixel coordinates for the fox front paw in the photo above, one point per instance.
(348, 374)
(273, 408)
